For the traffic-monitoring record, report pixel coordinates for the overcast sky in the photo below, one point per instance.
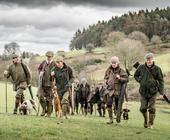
(50, 24)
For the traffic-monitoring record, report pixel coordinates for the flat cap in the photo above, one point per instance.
(14, 55)
(148, 56)
(58, 59)
(49, 54)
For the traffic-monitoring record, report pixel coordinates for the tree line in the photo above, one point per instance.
(154, 22)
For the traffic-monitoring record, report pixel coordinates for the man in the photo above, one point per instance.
(63, 76)
(21, 78)
(75, 87)
(99, 92)
(151, 81)
(84, 94)
(45, 97)
(114, 77)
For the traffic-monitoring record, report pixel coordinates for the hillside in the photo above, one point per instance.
(93, 65)
(154, 22)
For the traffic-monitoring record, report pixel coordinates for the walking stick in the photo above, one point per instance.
(6, 99)
(72, 98)
(6, 92)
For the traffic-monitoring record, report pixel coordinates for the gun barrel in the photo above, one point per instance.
(31, 93)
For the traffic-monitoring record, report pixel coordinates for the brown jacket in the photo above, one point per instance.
(112, 82)
(16, 71)
(46, 68)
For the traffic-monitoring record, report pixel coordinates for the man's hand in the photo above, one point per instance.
(118, 76)
(41, 73)
(29, 85)
(6, 73)
(69, 84)
(52, 73)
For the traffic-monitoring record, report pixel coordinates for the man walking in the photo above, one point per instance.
(114, 77)
(45, 98)
(84, 90)
(63, 75)
(21, 78)
(151, 81)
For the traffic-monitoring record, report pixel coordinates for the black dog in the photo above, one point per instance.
(125, 114)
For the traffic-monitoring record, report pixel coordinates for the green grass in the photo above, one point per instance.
(163, 61)
(78, 127)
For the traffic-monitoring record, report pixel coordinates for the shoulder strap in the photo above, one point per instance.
(150, 73)
(44, 65)
(24, 69)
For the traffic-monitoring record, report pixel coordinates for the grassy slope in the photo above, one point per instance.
(164, 62)
(79, 127)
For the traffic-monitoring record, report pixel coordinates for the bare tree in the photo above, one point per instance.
(136, 35)
(129, 51)
(113, 39)
(156, 39)
(11, 48)
(89, 47)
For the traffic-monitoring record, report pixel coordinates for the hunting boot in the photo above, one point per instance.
(77, 109)
(71, 110)
(85, 112)
(43, 105)
(82, 110)
(110, 112)
(91, 109)
(16, 106)
(151, 120)
(145, 115)
(103, 112)
(49, 108)
(100, 112)
(118, 116)
(65, 110)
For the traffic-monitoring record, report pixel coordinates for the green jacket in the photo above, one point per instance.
(63, 78)
(150, 79)
(17, 73)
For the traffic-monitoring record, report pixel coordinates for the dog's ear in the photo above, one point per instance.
(128, 110)
(32, 102)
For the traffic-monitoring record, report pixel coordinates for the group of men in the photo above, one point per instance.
(109, 93)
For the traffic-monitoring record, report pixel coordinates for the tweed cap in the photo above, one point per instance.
(49, 54)
(58, 59)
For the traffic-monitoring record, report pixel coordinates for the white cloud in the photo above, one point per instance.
(53, 25)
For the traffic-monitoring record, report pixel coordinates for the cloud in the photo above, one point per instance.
(55, 25)
(58, 16)
(110, 3)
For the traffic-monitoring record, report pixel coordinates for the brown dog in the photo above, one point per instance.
(57, 104)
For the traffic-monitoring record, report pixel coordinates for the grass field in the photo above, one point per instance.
(164, 62)
(79, 127)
